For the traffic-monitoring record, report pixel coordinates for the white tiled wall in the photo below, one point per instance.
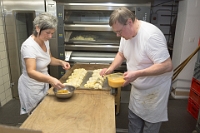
(5, 90)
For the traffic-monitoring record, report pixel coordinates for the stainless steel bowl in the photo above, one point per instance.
(70, 93)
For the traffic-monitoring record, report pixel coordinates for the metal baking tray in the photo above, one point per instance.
(89, 73)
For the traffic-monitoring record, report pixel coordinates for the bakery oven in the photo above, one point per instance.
(84, 35)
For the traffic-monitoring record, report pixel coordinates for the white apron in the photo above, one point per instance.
(31, 92)
(150, 104)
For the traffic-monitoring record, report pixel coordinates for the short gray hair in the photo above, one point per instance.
(121, 15)
(44, 21)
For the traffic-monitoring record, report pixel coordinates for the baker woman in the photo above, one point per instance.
(35, 58)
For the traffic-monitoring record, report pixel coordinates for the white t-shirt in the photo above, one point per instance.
(31, 91)
(149, 95)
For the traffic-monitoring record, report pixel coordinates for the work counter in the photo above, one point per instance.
(87, 111)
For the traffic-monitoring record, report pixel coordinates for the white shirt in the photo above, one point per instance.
(31, 91)
(149, 95)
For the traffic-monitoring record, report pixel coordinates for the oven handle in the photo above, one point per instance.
(90, 59)
(94, 46)
(87, 27)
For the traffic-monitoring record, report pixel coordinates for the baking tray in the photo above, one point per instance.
(89, 73)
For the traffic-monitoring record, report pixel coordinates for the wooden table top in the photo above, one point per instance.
(85, 112)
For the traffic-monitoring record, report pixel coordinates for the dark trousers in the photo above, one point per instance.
(138, 125)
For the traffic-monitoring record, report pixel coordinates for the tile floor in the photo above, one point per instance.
(180, 121)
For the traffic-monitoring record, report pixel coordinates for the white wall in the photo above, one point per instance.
(186, 41)
(5, 90)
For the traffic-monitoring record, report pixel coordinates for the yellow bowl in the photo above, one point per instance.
(115, 80)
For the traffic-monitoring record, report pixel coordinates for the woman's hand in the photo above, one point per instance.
(65, 65)
(56, 83)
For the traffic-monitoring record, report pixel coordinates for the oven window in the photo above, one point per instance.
(91, 36)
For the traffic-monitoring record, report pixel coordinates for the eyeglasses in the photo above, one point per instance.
(120, 31)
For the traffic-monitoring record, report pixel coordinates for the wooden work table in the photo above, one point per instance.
(87, 111)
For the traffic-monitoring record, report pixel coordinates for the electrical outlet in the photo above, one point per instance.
(154, 18)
